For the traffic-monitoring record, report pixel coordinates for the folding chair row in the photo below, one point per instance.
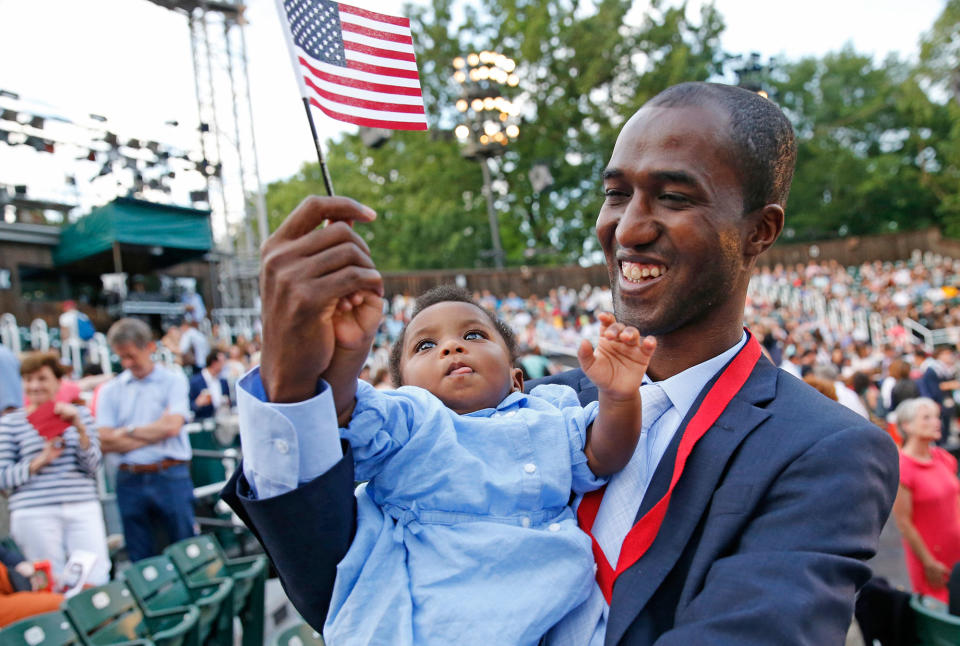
(186, 597)
(107, 614)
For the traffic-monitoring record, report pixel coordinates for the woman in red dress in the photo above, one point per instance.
(927, 509)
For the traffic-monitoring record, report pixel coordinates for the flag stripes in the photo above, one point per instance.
(357, 65)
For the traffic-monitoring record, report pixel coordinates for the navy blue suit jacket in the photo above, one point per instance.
(197, 385)
(764, 540)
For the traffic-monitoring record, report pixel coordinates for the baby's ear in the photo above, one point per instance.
(516, 375)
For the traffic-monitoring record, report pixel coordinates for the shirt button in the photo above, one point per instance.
(525, 521)
(281, 446)
(529, 467)
(554, 527)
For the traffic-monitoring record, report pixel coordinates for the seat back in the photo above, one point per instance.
(300, 635)
(934, 625)
(198, 558)
(157, 584)
(49, 629)
(106, 614)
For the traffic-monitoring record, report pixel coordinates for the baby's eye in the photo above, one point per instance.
(426, 344)
(473, 335)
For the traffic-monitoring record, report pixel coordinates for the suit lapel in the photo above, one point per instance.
(586, 390)
(691, 496)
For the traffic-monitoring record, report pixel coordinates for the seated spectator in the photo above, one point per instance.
(825, 386)
(208, 389)
(19, 590)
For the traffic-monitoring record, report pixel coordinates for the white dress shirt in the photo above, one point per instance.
(587, 625)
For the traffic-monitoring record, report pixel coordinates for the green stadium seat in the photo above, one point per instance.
(109, 614)
(934, 625)
(201, 562)
(49, 629)
(300, 635)
(158, 587)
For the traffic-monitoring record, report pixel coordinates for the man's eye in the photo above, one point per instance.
(423, 345)
(473, 335)
(675, 198)
(612, 193)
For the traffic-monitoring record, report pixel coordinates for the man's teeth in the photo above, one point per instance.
(637, 272)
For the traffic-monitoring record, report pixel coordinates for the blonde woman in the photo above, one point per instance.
(927, 508)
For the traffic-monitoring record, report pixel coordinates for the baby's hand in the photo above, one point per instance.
(620, 361)
(356, 320)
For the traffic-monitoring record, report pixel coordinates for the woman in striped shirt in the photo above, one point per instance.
(50, 473)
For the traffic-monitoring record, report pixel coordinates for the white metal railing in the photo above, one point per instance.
(10, 333)
(39, 335)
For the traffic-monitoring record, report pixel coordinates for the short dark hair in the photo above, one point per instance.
(34, 361)
(212, 357)
(764, 146)
(446, 294)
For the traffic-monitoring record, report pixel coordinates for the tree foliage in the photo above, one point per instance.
(878, 142)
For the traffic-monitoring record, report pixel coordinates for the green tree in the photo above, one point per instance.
(939, 70)
(862, 128)
(584, 70)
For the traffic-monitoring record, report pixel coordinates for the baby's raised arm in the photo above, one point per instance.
(355, 324)
(616, 367)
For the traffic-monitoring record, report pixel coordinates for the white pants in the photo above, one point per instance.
(53, 532)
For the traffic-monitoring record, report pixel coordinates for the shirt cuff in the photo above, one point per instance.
(285, 445)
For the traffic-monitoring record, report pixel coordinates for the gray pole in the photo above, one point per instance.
(492, 214)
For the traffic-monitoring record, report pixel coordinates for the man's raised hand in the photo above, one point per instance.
(620, 360)
(305, 273)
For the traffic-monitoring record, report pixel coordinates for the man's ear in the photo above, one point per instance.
(516, 376)
(765, 227)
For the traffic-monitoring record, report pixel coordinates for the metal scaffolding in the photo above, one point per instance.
(227, 142)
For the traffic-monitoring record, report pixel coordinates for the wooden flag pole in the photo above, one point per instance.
(316, 142)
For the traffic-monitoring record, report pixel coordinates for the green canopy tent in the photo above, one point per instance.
(133, 236)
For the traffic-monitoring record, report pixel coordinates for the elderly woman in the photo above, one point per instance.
(927, 508)
(49, 455)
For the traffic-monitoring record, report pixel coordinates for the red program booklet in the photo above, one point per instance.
(47, 423)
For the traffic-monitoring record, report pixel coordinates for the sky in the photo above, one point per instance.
(129, 60)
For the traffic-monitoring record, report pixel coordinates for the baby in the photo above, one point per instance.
(464, 531)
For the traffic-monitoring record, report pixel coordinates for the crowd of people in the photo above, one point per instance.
(56, 433)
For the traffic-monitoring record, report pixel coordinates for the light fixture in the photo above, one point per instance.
(458, 62)
(462, 105)
(477, 105)
(473, 60)
(462, 131)
(513, 131)
(460, 77)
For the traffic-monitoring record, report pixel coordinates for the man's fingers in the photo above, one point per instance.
(320, 240)
(331, 260)
(346, 280)
(311, 213)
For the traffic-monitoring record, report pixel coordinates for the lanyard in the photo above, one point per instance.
(641, 536)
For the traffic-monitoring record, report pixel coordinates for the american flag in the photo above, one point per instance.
(355, 65)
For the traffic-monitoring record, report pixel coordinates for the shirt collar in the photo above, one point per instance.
(683, 388)
(127, 376)
(509, 401)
